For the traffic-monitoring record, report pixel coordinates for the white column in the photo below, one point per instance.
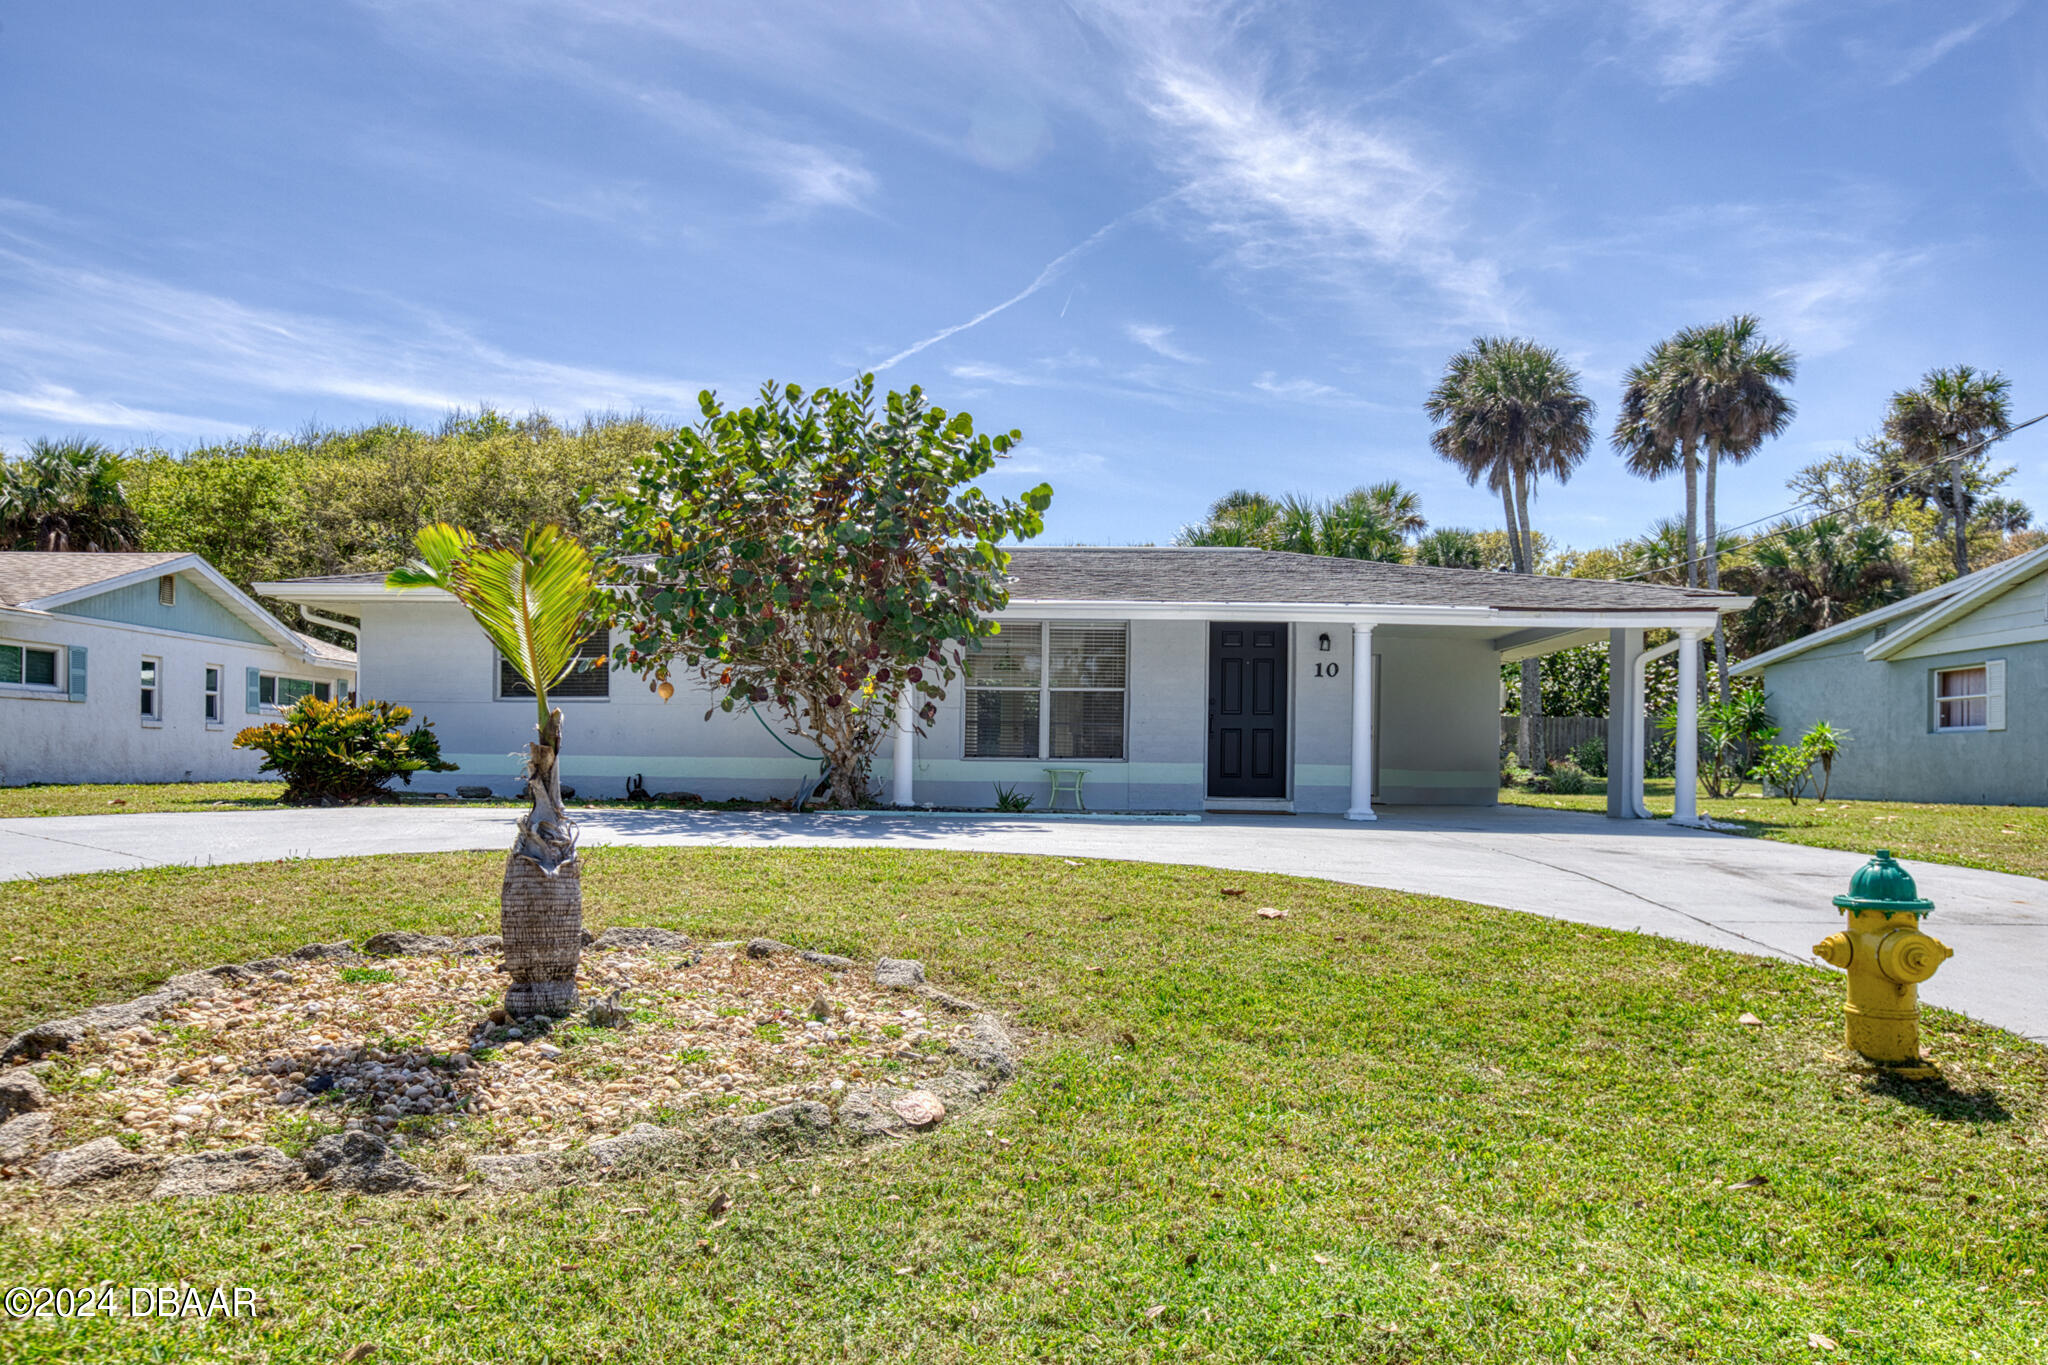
(902, 778)
(1361, 725)
(1685, 805)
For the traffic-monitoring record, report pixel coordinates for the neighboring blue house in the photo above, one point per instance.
(1944, 695)
(141, 668)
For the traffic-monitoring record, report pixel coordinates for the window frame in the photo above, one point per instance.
(59, 684)
(1045, 690)
(271, 680)
(213, 675)
(1984, 696)
(150, 689)
(601, 638)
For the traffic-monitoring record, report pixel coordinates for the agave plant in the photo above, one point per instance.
(535, 601)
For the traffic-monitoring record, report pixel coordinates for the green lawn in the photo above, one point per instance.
(2002, 838)
(130, 797)
(1386, 1128)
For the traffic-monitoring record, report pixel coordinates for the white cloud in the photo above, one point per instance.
(127, 343)
(1905, 66)
(1295, 390)
(1693, 42)
(981, 372)
(1154, 337)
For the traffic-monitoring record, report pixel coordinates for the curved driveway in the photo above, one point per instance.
(1749, 895)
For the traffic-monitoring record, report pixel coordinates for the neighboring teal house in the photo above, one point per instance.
(1944, 695)
(141, 668)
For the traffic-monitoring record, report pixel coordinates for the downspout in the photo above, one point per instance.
(1638, 705)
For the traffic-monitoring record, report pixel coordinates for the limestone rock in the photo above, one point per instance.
(525, 1171)
(101, 1159)
(245, 1170)
(22, 1134)
(899, 973)
(474, 793)
(988, 1046)
(641, 1147)
(869, 1112)
(767, 947)
(361, 1162)
(326, 952)
(646, 939)
(947, 1001)
(405, 943)
(784, 1130)
(21, 1091)
(831, 962)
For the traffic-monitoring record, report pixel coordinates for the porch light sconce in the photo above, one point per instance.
(1323, 642)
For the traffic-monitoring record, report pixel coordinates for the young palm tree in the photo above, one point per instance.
(1933, 425)
(1239, 518)
(535, 601)
(1450, 547)
(66, 495)
(1807, 578)
(1509, 410)
(1366, 523)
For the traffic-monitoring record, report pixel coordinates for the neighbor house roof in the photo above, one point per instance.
(30, 575)
(1204, 576)
(1923, 611)
(40, 581)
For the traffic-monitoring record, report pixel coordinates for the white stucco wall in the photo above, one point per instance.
(47, 737)
(1438, 716)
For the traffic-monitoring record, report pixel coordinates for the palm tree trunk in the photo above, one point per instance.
(1507, 505)
(540, 906)
(1956, 501)
(1713, 553)
(1532, 669)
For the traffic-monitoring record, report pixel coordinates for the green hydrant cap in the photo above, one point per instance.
(1881, 884)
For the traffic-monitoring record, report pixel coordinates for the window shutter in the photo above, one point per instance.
(77, 655)
(1994, 687)
(255, 698)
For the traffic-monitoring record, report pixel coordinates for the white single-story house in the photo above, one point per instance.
(1178, 679)
(1944, 695)
(141, 668)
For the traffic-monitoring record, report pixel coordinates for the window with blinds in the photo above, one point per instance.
(589, 679)
(1048, 691)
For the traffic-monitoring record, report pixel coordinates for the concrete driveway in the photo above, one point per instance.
(1748, 895)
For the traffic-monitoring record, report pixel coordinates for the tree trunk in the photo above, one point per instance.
(1507, 505)
(1532, 669)
(540, 906)
(1956, 502)
(1713, 553)
(1692, 514)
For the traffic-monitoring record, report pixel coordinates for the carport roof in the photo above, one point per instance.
(1186, 574)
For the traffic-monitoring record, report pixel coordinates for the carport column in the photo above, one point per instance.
(902, 780)
(1622, 648)
(1685, 805)
(1361, 725)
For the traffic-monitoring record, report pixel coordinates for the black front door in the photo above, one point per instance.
(1247, 709)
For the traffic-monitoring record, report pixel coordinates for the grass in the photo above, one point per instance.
(2000, 838)
(1385, 1128)
(136, 798)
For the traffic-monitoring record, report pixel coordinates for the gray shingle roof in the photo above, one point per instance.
(1175, 574)
(28, 575)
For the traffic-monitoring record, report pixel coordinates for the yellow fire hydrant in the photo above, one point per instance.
(1887, 958)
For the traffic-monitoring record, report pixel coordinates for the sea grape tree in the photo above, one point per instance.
(817, 556)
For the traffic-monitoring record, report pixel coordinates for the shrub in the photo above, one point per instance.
(1591, 755)
(343, 751)
(1565, 778)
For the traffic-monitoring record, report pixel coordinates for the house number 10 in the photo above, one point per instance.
(1326, 670)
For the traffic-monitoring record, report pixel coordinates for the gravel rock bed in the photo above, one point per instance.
(396, 1073)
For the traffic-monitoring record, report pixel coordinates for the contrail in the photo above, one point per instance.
(1045, 277)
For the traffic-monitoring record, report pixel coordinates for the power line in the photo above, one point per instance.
(1779, 530)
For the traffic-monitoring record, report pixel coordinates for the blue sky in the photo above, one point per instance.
(1184, 247)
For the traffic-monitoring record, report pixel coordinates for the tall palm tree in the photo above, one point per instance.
(1509, 410)
(1366, 523)
(535, 601)
(1714, 387)
(1932, 425)
(66, 495)
(1806, 578)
